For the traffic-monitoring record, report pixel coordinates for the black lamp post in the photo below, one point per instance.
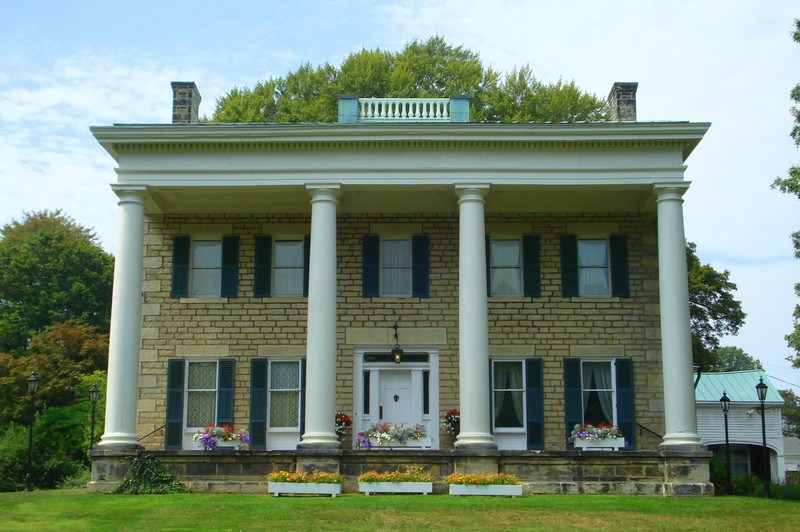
(761, 389)
(94, 393)
(725, 403)
(33, 386)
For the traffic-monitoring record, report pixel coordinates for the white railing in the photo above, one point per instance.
(404, 109)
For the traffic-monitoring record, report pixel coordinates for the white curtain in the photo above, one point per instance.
(288, 270)
(597, 378)
(508, 383)
(206, 268)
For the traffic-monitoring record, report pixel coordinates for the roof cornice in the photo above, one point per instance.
(136, 137)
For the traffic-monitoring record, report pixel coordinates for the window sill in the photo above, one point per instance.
(595, 299)
(203, 300)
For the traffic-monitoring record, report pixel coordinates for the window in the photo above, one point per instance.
(517, 403)
(284, 395)
(594, 266)
(505, 272)
(508, 392)
(600, 391)
(205, 266)
(512, 266)
(206, 261)
(281, 267)
(199, 392)
(395, 267)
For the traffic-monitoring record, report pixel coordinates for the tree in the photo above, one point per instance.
(791, 185)
(430, 68)
(791, 413)
(51, 270)
(733, 359)
(713, 310)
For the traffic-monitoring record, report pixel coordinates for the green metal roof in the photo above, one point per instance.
(739, 385)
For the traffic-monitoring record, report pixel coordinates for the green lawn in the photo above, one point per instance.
(77, 510)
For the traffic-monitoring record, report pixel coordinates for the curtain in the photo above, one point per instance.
(508, 386)
(206, 268)
(288, 269)
(395, 277)
(597, 378)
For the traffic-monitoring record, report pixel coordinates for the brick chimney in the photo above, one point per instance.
(622, 100)
(185, 102)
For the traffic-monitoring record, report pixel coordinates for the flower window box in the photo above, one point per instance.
(498, 490)
(296, 488)
(607, 444)
(421, 443)
(395, 487)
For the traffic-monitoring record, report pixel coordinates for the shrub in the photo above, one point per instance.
(145, 476)
(411, 474)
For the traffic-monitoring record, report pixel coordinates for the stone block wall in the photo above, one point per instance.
(549, 327)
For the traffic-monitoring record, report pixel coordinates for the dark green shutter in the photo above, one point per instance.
(420, 265)
(259, 374)
(306, 262)
(173, 428)
(625, 407)
(619, 266)
(534, 403)
(531, 271)
(302, 396)
(569, 266)
(573, 395)
(180, 266)
(230, 266)
(262, 271)
(225, 384)
(370, 255)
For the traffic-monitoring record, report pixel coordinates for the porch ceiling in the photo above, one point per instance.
(401, 199)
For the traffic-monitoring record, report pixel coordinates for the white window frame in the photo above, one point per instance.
(612, 365)
(274, 267)
(606, 268)
(518, 267)
(406, 269)
(187, 390)
(193, 268)
(271, 390)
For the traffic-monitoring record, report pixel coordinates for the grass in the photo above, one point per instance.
(78, 510)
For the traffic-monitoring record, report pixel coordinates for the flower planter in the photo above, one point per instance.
(230, 445)
(607, 444)
(395, 487)
(425, 442)
(499, 490)
(300, 488)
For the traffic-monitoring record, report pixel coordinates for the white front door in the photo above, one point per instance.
(396, 399)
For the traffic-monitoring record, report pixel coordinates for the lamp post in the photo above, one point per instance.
(33, 386)
(761, 389)
(94, 393)
(725, 403)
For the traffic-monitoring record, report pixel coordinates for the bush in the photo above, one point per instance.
(747, 485)
(719, 476)
(145, 476)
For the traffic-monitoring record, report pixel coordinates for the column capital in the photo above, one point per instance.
(472, 192)
(130, 193)
(670, 191)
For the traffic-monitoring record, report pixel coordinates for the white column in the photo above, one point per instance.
(320, 412)
(680, 417)
(473, 321)
(126, 317)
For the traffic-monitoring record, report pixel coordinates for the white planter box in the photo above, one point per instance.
(394, 444)
(302, 488)
(395, 487)
(230, 444)
(608, 444)
(501, 490)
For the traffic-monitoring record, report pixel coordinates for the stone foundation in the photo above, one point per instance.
(681, 472)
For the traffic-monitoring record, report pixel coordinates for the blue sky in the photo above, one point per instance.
(65, 66)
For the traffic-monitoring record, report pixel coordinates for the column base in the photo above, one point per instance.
(475, 441)
(681, 439)
(320, 440)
